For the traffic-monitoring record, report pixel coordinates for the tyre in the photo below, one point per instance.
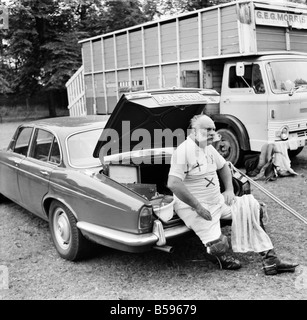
(67, 238)
(294, 153)
(229, 147)
(2, 198)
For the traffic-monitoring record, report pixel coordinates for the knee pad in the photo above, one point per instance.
(218, 247)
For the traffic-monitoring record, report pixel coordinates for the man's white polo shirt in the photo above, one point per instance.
(196, 167)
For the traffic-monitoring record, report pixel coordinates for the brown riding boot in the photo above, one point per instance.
(216, 253)
(272, 264)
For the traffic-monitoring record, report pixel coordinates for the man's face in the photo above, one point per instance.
(205, 133)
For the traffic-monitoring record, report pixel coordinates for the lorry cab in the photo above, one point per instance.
(268, 94)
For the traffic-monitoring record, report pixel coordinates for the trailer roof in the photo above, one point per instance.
(278, 4)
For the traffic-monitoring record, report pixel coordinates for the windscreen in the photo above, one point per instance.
(286, 75)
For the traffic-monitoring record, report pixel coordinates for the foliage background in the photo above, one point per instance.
(40, 51)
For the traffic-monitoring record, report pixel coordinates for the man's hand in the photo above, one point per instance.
(229, 197)
(181, 191)
(203, 212)
(226, 177)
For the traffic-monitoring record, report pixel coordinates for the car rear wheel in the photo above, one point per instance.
(67, 238)
(229, 146)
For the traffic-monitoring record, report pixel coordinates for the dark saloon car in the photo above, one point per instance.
(105, 181)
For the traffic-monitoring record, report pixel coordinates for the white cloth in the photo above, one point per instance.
(281, 159)
(246, 232)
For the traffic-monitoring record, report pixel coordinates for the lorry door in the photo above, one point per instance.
(245, 97)
(287, 101)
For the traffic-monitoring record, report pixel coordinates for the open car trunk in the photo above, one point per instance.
(147, 175)
(138, 140)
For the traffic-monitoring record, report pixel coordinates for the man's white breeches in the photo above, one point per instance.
(206, 230)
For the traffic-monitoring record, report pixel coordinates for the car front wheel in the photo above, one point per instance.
(67, 238)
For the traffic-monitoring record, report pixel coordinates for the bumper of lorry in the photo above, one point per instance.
(295, 140)
(297, 129)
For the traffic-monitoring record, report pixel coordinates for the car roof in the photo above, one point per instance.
(67, 125)
(68, 121)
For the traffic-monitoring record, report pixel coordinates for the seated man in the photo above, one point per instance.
(194, 182)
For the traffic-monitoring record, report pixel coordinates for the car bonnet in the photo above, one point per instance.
(139, 118)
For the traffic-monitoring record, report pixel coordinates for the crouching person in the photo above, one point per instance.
(193, 179)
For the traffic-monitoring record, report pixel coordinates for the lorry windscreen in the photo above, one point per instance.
(286, 75)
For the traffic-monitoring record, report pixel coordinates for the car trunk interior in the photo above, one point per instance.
(148, 178)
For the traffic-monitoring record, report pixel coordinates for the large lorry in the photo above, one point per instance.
(254, 53)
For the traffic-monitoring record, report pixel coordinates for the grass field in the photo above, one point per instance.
(37, 272)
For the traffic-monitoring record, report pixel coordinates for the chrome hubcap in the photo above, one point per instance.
(62, 229)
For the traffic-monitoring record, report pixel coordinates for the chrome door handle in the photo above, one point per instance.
(44, 173)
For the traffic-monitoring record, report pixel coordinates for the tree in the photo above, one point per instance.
(171, 7)
(122, 14)
(41, 50)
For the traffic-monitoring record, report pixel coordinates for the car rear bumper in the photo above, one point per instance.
(132, 242)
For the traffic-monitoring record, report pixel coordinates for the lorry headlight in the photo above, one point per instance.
(283, 134)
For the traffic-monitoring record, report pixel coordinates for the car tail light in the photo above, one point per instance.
(145, 218)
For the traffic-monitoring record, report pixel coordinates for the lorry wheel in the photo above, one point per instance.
(3, 198)
(294, 153)
(229, 147)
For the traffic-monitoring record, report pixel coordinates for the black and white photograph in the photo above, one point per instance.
(153, 153)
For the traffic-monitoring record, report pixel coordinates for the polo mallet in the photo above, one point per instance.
(270, 195)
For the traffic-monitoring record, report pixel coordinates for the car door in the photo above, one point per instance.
(16, 153)
(35, 170)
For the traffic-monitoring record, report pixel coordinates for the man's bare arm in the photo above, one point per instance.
(226, 177)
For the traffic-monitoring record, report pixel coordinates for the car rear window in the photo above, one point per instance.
(80, 148)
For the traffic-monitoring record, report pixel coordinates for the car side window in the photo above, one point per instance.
(55, 155)
(21, 144)
(42, 143)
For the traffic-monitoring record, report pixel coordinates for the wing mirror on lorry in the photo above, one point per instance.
(240, 70)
